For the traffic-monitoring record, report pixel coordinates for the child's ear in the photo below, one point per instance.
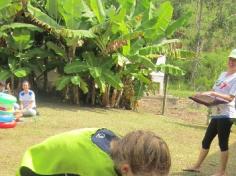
(124, 169)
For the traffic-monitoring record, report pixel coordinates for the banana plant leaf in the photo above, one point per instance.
(4, 74)
(38, 53)
(37, 13)
(56, 49)
(155, 28)
(20, 26)
(100, 82)
(98, 9)
(78, 81)
(8, 9)
(112, 79)
(142, 60)
(35, 66)
(12, 63)
(96, 72)
(69, 33)
(180, 22)
(20, 40)
(139, 89)
(170, 69)
(5, 3)
(21, 72)
(76, 14)
(139, 76)
(76, 67)
(162, 48)
(62, 82)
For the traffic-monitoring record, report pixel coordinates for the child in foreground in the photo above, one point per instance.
(98, 152)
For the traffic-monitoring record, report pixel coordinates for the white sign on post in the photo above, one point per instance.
(159, 76)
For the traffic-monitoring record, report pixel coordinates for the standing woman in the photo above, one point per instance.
(222, 115)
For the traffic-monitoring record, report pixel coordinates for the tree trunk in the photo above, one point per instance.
(66, 93)
(2, 42)
(12, 91)
(45, 77)
(105, 97)
(196, 61)
(108, 95)
(165, 94)
(75, 95)
(24, 4)
(113, 98)
(93, 93)
(71, 55)
(119, 95)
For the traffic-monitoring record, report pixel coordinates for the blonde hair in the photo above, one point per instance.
(145, 153)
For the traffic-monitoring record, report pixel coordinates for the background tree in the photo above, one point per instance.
(104, 51)
(217, 39)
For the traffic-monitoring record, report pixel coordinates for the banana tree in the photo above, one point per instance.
(127, 29)
(20, 54)
(63, 21)
(106, 45)
(100, 71)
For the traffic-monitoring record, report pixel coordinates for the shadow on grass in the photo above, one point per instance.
(195, 126)
(61, 106)
(212, 163)
(185, 174)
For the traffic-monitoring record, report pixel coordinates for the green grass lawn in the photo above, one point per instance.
(183, 138)
(181, 93)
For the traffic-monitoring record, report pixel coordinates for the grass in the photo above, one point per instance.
(183, 138)
(180, 93)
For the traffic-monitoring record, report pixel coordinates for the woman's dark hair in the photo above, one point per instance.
(25, 81)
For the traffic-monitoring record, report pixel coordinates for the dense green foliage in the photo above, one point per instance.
(103, 51)
(209, 68)
(217, 23)
(217, 37)
(101, 47)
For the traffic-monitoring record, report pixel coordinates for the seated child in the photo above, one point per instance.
(27, 100)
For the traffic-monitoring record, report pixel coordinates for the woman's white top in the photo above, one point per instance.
(225, 84)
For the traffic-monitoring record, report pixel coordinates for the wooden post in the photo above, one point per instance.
(45, 76)
(165, 93)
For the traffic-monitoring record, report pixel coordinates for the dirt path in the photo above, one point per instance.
(182, 108)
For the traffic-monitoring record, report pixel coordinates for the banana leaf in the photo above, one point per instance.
(112, 79)
(4, 74)
(20, 26)
(22, 72)
(76, 67)
(59, 51)
(98, 9)
(77, 80)
(37, 13)
(62, 82)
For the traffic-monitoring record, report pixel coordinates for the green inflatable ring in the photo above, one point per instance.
(7, 99)
(6, 112)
